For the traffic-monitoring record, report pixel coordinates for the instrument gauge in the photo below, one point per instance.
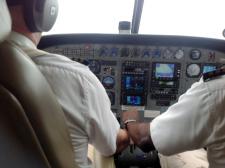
(94, 66)
(179, 54)
(114, 52)
(168, 54)
(146, 53)
(193, 70)
(103, 52)
(108, 82)
(156, 53)
(125, 52)
(195, 54)
(136, 52)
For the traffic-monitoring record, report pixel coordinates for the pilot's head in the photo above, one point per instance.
(33, 16)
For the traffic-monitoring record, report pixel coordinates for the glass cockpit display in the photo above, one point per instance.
(165, 74)
(134, 100)
(208, 68)
(164, 81)
(164, 70)
(134, 83)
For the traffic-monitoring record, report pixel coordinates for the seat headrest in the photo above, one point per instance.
(5, 20)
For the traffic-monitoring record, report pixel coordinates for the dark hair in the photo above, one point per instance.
(14, 2)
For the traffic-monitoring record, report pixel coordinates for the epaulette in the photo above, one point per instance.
(213, 74)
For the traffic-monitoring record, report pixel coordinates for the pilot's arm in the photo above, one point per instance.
(86, 105)
(139, 132)
(186, 125)
(102, 126)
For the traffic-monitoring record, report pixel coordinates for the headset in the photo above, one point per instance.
(40, 15)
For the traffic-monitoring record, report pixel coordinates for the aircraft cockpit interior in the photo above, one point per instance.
(152, 54)
(146, 71)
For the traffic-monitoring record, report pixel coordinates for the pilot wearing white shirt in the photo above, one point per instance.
(83, 99)
(196, 121)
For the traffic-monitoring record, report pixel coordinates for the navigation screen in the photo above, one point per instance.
(134, 100)
(164, 70)
(134, 82)
(208, 68)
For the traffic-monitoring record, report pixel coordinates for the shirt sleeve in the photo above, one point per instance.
(102, 125)
(187, 124)
(85, 102)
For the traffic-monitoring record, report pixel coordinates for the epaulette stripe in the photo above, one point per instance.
(210, 75)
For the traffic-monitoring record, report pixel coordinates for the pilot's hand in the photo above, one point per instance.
(131, 114)
(139, 132)
(140, 135)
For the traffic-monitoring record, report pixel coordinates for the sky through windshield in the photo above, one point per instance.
(203, 18)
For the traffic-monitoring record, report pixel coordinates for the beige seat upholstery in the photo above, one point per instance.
(98, 160)
(33, 132)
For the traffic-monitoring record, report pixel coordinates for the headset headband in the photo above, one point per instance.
(14, 2)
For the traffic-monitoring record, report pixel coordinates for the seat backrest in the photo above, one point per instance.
(33, 131)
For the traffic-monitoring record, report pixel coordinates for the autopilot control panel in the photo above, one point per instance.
(148, 72)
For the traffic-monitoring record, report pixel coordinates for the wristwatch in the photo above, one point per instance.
(128, 121)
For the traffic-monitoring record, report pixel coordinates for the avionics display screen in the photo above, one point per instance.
(163, 70)
(135, 83)
(208, 68)
(134, 100)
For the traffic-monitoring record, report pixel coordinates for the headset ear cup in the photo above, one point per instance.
(40, 15)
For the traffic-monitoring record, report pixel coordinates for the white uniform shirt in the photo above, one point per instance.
(197, 120)
(83, 99)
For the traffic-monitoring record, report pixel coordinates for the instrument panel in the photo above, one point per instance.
(148, 72)
(145, 71)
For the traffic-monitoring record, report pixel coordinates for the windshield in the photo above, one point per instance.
(200, 18)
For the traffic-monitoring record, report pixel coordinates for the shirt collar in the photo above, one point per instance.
(21, 40)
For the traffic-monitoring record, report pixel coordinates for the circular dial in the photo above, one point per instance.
(193, 70)
(103, 52)
(156, 53)
(114, 52)
(195, 54)
(94, 66)
(179, 54)
(136, 52)
(108, 82)
(146, 53)
(125, 52)
(168, 54)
